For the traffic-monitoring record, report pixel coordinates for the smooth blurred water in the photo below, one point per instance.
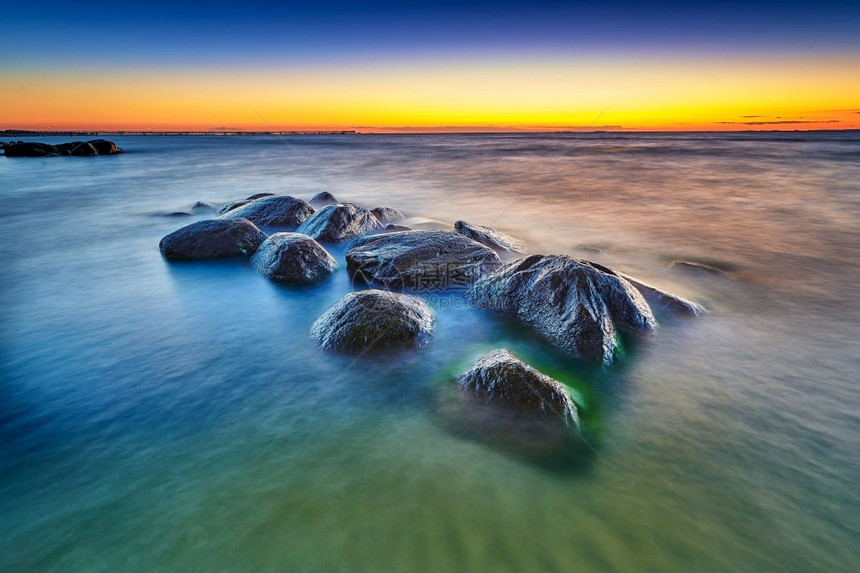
(159, 416)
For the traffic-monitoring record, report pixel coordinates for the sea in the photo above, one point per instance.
(159, 416)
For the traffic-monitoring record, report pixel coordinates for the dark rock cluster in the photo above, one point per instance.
(76, 148)
(582, 308)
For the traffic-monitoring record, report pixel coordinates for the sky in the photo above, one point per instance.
(430, 66)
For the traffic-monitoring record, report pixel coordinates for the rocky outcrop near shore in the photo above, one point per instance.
(212, 239)
(77, 148)
(374, 320)
(282, 211)
(490, 237)
(419, 260)
(293, 258)
(575, 306)
(335, 223)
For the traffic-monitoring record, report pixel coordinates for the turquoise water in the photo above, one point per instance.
(177, 416)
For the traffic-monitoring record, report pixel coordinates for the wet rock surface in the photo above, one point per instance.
(335, 223)
(293, 258)
(374, 320)
(212, 239)
(322, 199)
(385, 214)
(273, 211)
(503, 381)
(572, 304)
(30, 149)
(489, 237)
(419, 260)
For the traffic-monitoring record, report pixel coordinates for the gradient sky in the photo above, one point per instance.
(389, 66)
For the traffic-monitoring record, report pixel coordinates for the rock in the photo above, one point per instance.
(322, 199)
(334, 223)
(571, 303)
(293, 258)
(66, 148)
(656, 297)
(203, 206)
(664, 300)
(259, 196)
(211, 239)
(273, 211)
(385, 214)
(419, 260)
(180, 214)
(392, 228)
(500, 380)
(85, 149)
(373, 320)
(30, 149)
(226, 208)
(105, 147)
(489, 236)
(697, 268)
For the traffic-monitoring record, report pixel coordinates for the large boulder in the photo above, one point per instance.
(385, 214)
(212, 239)
(30, 149)
(334, 223)
(373, 320)
(501, 381)
(419, 260)
(322, 199)
(85, 149)
(104, 147)
(489, 236)
(571, 303)
(274, 211)
(293, 258)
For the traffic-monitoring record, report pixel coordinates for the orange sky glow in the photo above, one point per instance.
(477, 95)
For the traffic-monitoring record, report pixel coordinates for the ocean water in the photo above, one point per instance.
(158, 416)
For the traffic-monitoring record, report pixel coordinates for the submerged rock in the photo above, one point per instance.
(571, 303)
(373, 320)
(179, 214)
(227, 207)
(30, 149)
(665, 300)
(419, 260)
(502, 381)
(385, 214)
(293, 258)
(203, 206)
(690, 266)
(273, 211)
(334, 223)
(322, 199)
(489, 236)
(211, 239)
